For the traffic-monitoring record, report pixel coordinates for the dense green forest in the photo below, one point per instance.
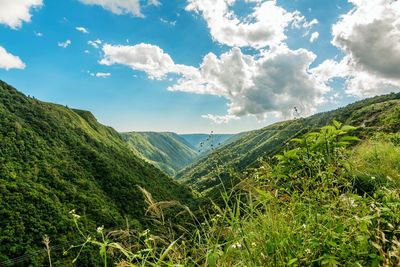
(168, 151)
(380, 113)
(331, 199)
(54, 159)
(316, 191)
(171, 152)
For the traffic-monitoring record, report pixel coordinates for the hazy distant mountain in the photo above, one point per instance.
(370, 115)
(203, 143)
(54, 159)
(168, 151)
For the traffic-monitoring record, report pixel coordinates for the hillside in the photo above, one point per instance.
(370, 115)
(167, 151)
(54, 159)
(203, 143)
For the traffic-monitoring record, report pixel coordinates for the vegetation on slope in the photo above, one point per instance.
(375, 114)
(54, 159)
(167, 151)
(307, 206)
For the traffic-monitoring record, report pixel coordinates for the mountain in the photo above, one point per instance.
(54, 159)
(167, 151)
(206, 142)
(380, 113)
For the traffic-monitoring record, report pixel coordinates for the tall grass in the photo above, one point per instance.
(303, 210)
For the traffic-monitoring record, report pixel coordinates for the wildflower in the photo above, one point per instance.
(236, 245)
(304, 226)
(74, 215)
(308, 251)
(100, 229)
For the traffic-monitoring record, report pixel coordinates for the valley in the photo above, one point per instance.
(63, 175)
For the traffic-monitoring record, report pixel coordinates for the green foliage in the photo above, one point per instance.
(167, 151)
(378, 114)
(54, 159)
(318, 155)
(301, 210)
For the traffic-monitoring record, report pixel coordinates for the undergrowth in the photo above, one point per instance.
(328, 201)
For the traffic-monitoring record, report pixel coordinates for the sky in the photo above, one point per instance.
(196, 66)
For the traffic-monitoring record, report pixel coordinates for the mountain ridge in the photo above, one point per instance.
(54, 159)
(372, 114)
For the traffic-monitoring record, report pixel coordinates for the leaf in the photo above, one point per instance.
(337, 124)
(292, 261)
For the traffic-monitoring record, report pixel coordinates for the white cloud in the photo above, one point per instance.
(265, 26)
(82, 29)
(38, 34)
(95, 43)
(220, 119)
(121, 7)
(369, 35)
(143, 57)
(14, 12)
(103, 74)
(314, 37)
(154, 2)
(65, 44)
(169, 22)
(273, 82)
(9, 61)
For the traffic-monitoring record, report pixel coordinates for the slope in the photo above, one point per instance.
(167, 151)
(204, 143)
(54, 159)
(380, 113)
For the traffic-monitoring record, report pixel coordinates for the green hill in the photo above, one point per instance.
(203, 143)
(168, 151)
(54, 159)
(379, 113)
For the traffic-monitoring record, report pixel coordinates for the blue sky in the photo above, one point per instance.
(128, 97)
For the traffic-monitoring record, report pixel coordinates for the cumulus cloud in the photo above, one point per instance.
(9, 61)
(272, 83)
(65, 44)
(143, 57)
(95, 43)
(82, 29)
(369, 36)
(121, 7)
(13, 13)
(314, 37)
(265, 26)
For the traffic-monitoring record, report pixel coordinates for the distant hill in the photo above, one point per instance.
(380, 113)
(167, 151)
(203, 143)
(54, 159)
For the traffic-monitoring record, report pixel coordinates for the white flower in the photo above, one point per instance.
(100, 229)
(236, 245)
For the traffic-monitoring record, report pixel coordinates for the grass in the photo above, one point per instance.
(304, 209)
